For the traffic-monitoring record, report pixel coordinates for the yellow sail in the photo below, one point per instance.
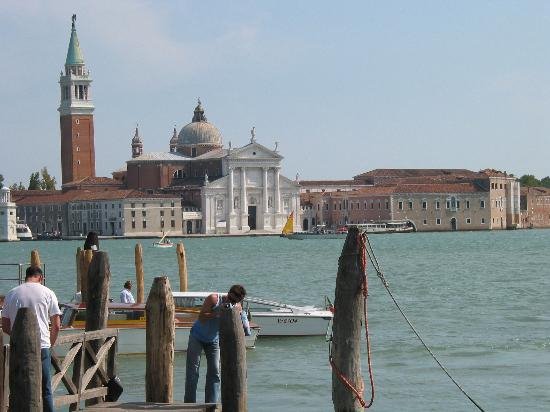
(289, 226)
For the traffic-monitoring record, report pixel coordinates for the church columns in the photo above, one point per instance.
(244, 202)
(230, 199)
(264, 169)
(277, 191)
(231, 208)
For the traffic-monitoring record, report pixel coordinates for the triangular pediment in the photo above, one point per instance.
(254, 151)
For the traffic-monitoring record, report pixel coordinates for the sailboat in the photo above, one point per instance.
(288, 229)
(162, 243)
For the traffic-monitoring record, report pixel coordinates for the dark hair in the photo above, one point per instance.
(33, 271)
(238, 292)
(91, 239)
(127, 284)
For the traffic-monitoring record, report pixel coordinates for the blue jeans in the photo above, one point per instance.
(47, 396)
(212, 388)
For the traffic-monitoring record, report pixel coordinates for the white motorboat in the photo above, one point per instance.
(274, 318)
(129, 320)
(23, 231)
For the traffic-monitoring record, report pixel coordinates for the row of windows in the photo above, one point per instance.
(144, 224)
(133, 205)
(144, 213)
(449, 204)
(467, 220)
(496, 185)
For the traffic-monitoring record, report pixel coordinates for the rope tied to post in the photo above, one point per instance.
(362, 242)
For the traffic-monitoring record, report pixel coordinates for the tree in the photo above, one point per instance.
(16, 186)
(34, 181)
(1, 181)
(529, 180)
(47, 182)
(545, 181)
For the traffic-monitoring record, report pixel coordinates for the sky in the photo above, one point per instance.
(343, 87)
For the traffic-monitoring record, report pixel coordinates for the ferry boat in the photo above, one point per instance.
(390, 226)
(274, 318)
(129, 320)
(23, 231)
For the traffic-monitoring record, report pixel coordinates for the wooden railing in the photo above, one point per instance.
(92, 357)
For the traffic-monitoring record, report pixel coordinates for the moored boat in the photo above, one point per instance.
(388, 226)
(129, 320)
(23, 231)
(274, 318)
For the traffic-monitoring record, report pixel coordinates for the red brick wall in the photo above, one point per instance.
(77, 145)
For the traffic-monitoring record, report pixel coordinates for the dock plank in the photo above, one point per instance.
(151, 406)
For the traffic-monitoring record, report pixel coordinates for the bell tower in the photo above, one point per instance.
(76, 117)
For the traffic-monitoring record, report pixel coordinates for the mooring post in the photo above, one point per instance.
(25, 363)
(233, 361)
(78, 272)
(85, 261)
(138, 259)
(160, 334)
(182, 265)
(2, 373)
(35, 258)
(346, 326)
(97, 306)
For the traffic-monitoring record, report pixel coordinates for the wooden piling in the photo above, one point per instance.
(2, 373)
(85, 261)
(233, 362)
(35, 258)
(346, 326)
(182, 265)
(97, 309)
(25, 363)
(138, 258)
(160, 335)
(78, 271)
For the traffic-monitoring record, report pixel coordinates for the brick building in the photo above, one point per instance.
(535, 207)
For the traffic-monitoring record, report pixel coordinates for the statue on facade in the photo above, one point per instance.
(253, 135)
(74, 20)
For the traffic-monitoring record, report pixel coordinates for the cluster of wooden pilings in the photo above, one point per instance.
(93, 279)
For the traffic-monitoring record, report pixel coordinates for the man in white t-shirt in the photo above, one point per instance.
(126, 293)
(32, 294)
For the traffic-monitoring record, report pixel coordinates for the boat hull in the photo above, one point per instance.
(318, 236)
(131, 341)
(285, 324)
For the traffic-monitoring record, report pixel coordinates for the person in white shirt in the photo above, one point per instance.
(32, 294)
(126, 294)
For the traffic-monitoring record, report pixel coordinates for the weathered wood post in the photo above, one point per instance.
(160, 334)
(78, 271)
(182, 265)
(233, 362)
(2, 373)
(35, 258)
(346, 326)
(138, 258)
(85, 261)
(25, 363)
(97, 309)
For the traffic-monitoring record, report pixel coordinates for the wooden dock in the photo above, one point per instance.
(151, 406)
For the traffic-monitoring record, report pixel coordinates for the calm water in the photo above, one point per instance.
(480, 300)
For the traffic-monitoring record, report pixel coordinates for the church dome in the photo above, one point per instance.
(199, 131)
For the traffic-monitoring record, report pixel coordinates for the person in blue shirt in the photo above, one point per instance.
(204, 335)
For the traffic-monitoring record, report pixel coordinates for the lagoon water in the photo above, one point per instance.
(479, 299)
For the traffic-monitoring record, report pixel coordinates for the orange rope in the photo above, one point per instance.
(365, 290)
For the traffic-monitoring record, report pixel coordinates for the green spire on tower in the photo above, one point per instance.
(74, 54)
